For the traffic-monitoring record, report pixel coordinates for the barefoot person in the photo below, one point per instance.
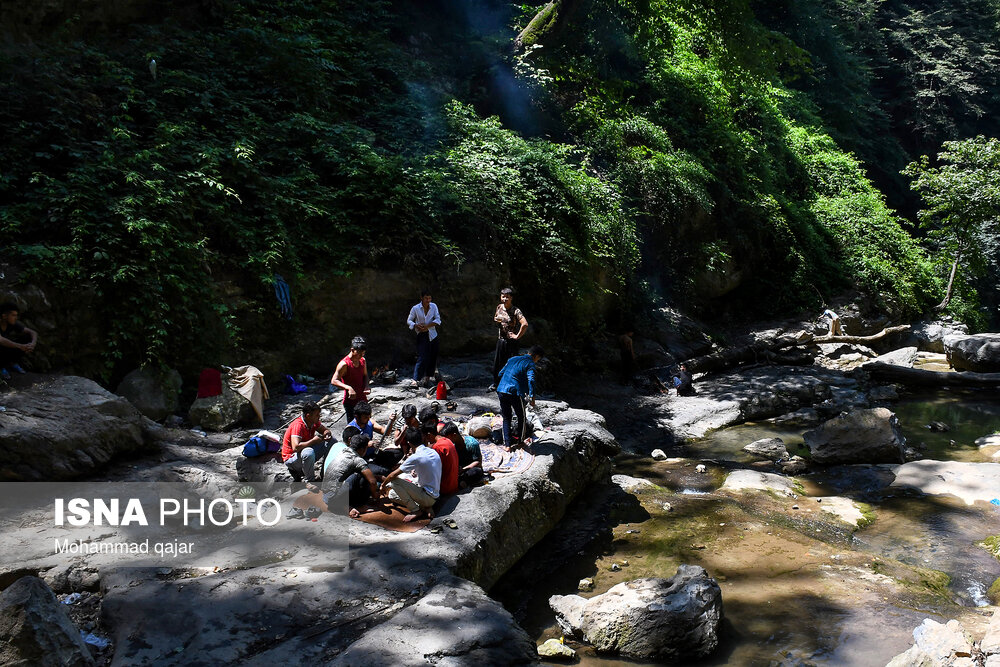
(517, 379)
(348, 474)
(419, 496)
(424, 319)
(351, 375)
(512, 327)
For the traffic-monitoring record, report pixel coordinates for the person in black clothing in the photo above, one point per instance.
(682, 382)
(513, 326)
(16, 340)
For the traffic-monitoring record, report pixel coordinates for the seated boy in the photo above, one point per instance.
(304, 443)
(470, 456)
(419, 496)
(348, 474)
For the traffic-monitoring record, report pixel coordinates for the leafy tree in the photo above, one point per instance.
(962, 199)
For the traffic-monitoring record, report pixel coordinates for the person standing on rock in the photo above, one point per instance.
(351, 375)
(835, 328)
(305, 442)
(424, 319)
(16, 340)
(517, 379)
(513, 326)
(420, 488)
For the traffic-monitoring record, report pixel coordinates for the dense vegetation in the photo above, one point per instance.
(693, 151)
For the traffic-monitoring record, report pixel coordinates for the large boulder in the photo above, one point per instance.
(154, 394)
(979, 353)
(222, 412)
(929, 336)
(937, 645)
(65, 427)
(861, 436)
(35, 630)
(648, 619)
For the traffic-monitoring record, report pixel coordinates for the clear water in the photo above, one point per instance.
(783, 602)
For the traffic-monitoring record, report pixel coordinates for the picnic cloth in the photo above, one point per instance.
(496, 460)
(249, 383)
(389, 517)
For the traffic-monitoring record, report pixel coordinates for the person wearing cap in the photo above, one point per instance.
(351, 375)
(517, 379)
(424, 319)
(513, 326)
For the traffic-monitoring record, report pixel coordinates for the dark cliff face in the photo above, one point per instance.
(26, 21)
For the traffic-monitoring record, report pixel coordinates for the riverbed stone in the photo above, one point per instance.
(886, 392)
(965, 480)
(222, 412)
(632, 484)
(657, 619)
(929, 335)
(988, 441)
(904, 356)
(979, 353)
(658, 455)
(991, 640)
(861, 436)
(153, 393)
(794, 466)
(801, 417)
(553, 649)
(65, 427)
(35, 629)
(740, 480)
(937, 645)
(768, 448)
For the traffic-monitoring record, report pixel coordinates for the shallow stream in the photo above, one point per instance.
(798, 588)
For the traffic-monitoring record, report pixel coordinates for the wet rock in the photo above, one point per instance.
(222, 412)
(842, 508)
(801, 417)
(937, 427)
(658, 455)
(768, 448)
(154, 394)
(968, 481)
(632, 484)
(650, 619)
(979, 353)
(988, 441)
(35, 630)
(82, 426)
(862, 436)
(795, 466)
(553, 649)
(883, 393)
(843, 399)
(991, 641)
(937, 645)
(740, 480)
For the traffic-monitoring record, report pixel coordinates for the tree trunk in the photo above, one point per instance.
(951, 283)
(917, 376)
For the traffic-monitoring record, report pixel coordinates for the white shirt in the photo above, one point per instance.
(417, 316)
(426, 463)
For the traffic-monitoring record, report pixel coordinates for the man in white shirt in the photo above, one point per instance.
(424, 320)
(417, 496)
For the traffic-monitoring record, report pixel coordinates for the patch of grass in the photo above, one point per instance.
(994, 592)
(867, 515)
(992, 544)
(935, 581)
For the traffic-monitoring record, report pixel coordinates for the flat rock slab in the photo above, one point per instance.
(968, 481)
(842, 508)
(64, 428)
(741, 480)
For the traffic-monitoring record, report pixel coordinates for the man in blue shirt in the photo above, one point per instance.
(517, 379)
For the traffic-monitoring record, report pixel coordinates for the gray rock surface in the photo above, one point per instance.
(739, 480)
(937, 645)
(965, 480)
(768, 448)
(979, 353)
(862, 436)
(801, 417)
(455, 624)
(883, 393)
(218, 413)
(904, 356)
(992, 440)
(650, 619)
(929, 336)
(154, 394)
(66, 427)
(35, 630)
(795, 466)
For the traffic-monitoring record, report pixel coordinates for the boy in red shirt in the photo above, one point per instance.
(446, 450)
(306, 441)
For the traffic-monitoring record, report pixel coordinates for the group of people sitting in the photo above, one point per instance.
(427, 458)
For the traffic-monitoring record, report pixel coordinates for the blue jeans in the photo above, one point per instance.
(427, 353)
(509, 403)
(302, 464)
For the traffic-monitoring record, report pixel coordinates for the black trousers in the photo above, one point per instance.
(506, 349)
